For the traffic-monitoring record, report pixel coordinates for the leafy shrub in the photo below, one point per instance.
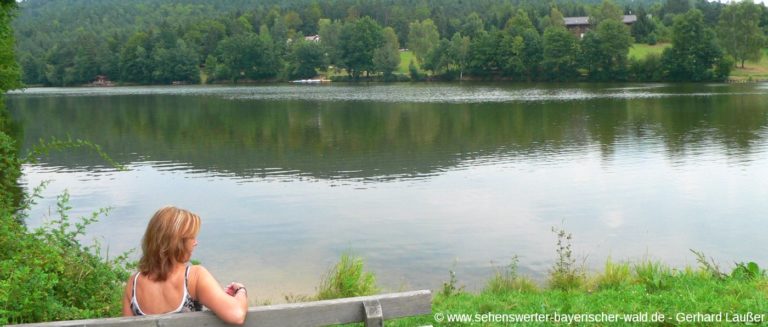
(347, 279)
(47, 274)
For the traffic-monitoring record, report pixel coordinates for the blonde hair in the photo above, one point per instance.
(163, 244)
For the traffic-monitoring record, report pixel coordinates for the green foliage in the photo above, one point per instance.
(739, 31)
(386, 58)
(306, 58)
(615, 275)
(450, 287)
(694, 50)
(607, 10)
(413, 71)
(10, 73)
(359, 40)
(47, 274)
(507, 280)
(643, 30)
(564, 275)
(747, 271)
(652, 274)
(248, 55)
(561, 54)
(606, 51)
(422, 38)
(347, 279)
(648, 69)
(708, 265)
(9, 170)
(681, 292)
(141, 41)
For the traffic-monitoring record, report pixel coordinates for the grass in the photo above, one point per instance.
(347, 279)
(643, 292)
(641, 50)
(620, 289)
(405, 59)
(752, 70)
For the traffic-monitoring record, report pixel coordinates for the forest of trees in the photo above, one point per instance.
(62, 43)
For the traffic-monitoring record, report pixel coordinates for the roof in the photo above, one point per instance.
(584, 20)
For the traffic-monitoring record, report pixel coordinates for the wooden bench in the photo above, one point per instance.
(371, 310)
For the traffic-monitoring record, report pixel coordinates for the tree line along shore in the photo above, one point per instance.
(161, 42)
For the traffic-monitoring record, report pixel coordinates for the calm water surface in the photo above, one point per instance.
(417, 179)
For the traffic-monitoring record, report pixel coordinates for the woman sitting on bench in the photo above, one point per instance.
(166, 283)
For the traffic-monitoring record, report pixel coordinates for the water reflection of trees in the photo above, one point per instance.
(378, 140)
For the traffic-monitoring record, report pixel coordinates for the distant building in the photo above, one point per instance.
(102, 80)
(312, 38)
(580, 25)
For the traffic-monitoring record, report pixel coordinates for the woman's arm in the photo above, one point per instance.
(127, 298)
(230, 308)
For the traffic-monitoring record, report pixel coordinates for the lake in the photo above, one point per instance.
(418, 179)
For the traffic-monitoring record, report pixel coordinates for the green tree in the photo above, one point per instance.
(483, 58)
(306, 58)
(561, 51)
(248, 56)
(694, 51)
(643, 28)
(330, 32)
(10, 71)
(472, 26)
(422, 37)
(135, 61)
(358, 40)
(606, 50)
(459, 52)
(386, 58)
(438, 60)
(523, 58)
(556, 17)
(179, 63)
(605, 11)
(739, 31)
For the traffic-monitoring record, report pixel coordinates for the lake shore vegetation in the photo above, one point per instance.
(164, 42)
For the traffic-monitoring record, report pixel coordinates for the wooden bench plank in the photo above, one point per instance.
(309, 314)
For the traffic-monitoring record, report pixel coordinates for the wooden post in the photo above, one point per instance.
(374, 317)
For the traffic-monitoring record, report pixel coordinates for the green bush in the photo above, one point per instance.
(47, 274)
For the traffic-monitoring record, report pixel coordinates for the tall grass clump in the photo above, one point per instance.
(615, 275)
(564, 274)
(347, 279)
(507, 280)
(653, 275)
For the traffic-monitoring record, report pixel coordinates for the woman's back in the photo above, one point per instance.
(166, 284)
(175, 294)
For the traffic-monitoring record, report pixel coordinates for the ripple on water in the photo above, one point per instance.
(409, 93)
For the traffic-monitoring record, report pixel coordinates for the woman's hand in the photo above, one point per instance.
(232, 288)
